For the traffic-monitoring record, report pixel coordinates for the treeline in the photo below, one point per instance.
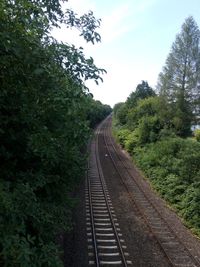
(155, 127)
(46, 113)
(97, 112)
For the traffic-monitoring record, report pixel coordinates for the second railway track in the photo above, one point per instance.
(177, 253)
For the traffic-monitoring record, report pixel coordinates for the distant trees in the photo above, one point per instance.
(96, 111)
(179, 82)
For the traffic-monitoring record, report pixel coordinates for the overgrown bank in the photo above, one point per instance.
(172, 166)
(171, 163)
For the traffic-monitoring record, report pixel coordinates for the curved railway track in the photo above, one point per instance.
(174, 249)
(106, 245)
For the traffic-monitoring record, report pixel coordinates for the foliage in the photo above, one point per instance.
(121, 113)
(191, 204)
(146, 107)
(147, 120)
(44, 112)
(197, 134)
(116, 107)
(121, 110)
(142, 91)
(96, 111)
(171, 163)
(173, 166)
(122, 136)
(179, 80)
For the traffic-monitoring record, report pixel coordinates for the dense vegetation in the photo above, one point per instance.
(46, 113)
(156, 129)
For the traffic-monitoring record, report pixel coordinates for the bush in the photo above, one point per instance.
(173, 166)
(122, 136)
(197, 134)
(166, 133)
(148, 129)
(191, 206)
(121, 114)
(132, 140)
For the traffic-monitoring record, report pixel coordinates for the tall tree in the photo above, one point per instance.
(179, 82)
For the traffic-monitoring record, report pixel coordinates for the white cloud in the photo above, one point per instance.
(123, 18)
(113, 25)
(145, 4)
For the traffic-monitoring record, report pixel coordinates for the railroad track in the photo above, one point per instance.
(175, 250)
(106, 245)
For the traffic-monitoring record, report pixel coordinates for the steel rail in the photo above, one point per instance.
(112, 221)
(96, 167)
(92, 223)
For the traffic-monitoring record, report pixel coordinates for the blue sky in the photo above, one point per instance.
(136, 38)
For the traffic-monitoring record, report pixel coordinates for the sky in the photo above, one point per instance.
(136, 38)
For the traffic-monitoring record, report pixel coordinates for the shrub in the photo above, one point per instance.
(197, 134)
(121, 114)
(148, 129)
(122, 136)
(131, 141)
(191, 206)
(166, 133)
(173, 166)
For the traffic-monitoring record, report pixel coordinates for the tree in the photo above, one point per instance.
(96, 111)
(116, 107)
(143, 90)
(145, 119)
(121, 113)
(179, 82)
